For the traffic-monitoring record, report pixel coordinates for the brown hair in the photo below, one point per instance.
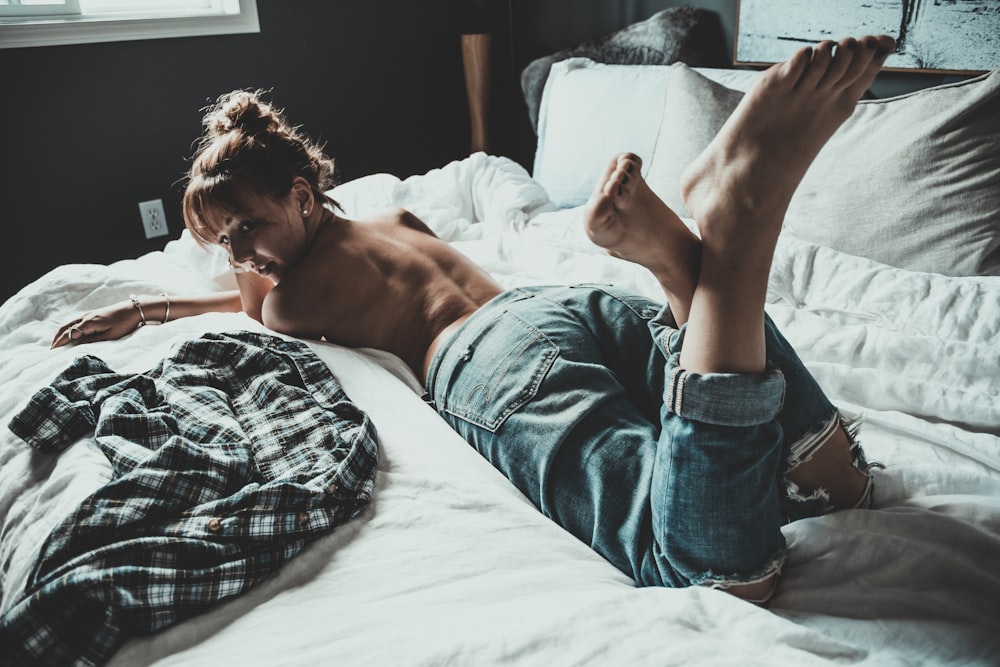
(248, 148)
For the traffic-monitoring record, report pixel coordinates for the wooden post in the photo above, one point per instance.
(476, 57)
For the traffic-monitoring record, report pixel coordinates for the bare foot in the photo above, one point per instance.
(627, 219)
(739, 188)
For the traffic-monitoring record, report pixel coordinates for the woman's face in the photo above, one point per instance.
(267, 236)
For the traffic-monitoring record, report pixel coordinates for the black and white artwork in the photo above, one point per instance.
(948, 35)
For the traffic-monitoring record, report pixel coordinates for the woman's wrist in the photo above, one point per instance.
(146, 306)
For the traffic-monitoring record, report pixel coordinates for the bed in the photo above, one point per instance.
(886, 279)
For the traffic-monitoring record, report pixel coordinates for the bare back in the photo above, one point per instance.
(387, 283)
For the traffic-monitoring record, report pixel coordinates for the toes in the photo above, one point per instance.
(843, 55)
(872, 52)
(607, 173)
(818, 65)
(886, 45)
(880, 46)
(629, 163)
(795, 66)
(863, 69)
(615, 186)
(864, 56)
(634, 161)
(623, 176)
(849, 64)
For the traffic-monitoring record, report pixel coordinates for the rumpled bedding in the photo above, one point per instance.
(451, 565)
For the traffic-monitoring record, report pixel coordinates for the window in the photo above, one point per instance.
(38, 8)
(51, 22)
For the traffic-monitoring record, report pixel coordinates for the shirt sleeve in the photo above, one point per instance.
(63, 412)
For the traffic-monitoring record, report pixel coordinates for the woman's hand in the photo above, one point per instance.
(108, 323)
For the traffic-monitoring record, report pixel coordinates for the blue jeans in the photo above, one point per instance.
(678, 479)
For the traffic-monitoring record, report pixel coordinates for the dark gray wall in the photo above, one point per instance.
(88, 131)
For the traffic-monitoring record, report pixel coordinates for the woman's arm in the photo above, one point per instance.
(253, 288)
(124, 317)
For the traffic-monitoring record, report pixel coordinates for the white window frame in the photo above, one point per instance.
(17, 9)
(47, 25)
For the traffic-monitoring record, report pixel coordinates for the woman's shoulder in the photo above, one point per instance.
(392, 219)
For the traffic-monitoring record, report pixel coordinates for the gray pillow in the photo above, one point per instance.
(686, 34)
(910, 181)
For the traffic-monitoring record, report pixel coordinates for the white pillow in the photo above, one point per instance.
(590, 112)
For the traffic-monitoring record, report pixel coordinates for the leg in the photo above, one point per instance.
(819, 455)
(738, 191)
(559, 388)
(831, 468)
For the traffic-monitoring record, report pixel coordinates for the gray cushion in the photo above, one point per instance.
(910, 181)
(679, 34)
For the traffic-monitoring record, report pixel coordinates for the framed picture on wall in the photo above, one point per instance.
(956, 36)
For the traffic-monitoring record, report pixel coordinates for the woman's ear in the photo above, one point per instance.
(303, 195)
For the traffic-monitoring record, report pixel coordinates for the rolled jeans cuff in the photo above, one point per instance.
(721, 399)
(724, 399)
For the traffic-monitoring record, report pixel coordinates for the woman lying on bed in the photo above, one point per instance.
(674, 440)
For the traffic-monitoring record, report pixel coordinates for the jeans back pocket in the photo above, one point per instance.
(495, 370)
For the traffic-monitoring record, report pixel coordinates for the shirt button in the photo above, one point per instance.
(214, 525)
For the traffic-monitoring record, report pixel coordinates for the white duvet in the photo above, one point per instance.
(451, 565)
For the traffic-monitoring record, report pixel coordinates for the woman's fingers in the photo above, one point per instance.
(67, 334)
(78, 331)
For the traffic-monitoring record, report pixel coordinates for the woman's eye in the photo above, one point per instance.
(247, 226)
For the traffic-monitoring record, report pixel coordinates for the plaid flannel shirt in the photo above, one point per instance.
(228, 458)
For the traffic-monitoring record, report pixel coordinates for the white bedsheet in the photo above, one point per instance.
(451, 565)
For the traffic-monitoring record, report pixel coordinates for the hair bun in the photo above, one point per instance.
(241, 110)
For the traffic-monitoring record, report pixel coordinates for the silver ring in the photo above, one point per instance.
(75, 327)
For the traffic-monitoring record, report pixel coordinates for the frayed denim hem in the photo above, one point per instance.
(771, 569)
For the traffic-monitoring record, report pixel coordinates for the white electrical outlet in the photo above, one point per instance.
(154, 220)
